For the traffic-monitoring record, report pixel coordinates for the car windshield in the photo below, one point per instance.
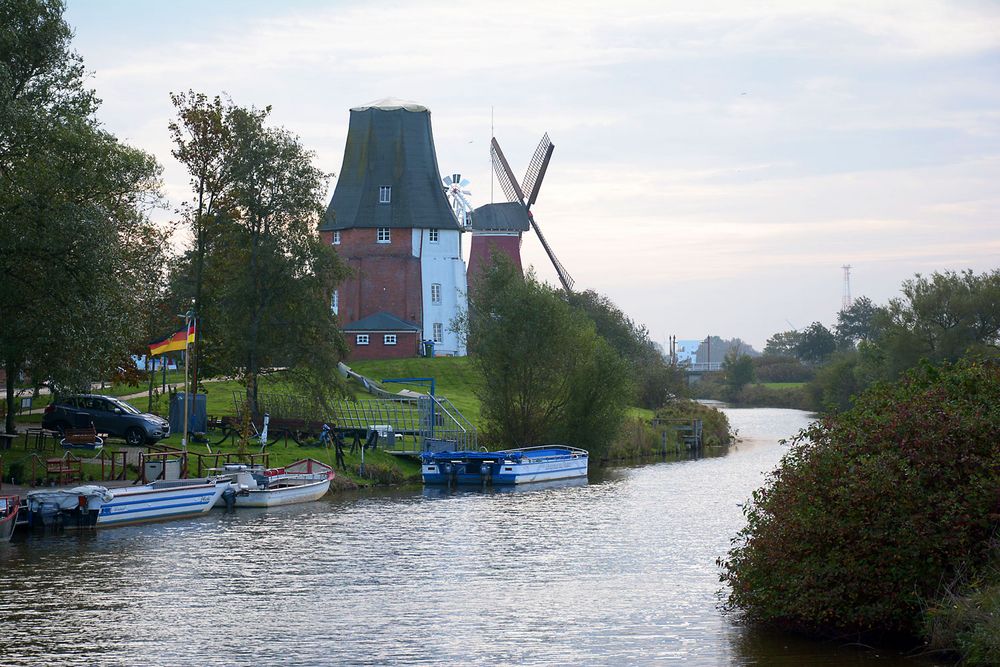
(126, 408)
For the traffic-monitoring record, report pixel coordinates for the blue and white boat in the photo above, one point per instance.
(508, 466)
(92, 505)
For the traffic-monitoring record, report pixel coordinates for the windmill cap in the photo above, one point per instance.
(391, 104)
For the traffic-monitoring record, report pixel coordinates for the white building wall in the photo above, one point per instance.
(441, 263)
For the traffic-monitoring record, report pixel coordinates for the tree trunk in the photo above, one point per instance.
(9, 425)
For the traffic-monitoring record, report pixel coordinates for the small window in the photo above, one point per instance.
(389, 339)
(438, 332)
(336, 238)
(436, 293)
(383, 235)
(384, 194)
(433, 235)
(362, 339)
(335, 302)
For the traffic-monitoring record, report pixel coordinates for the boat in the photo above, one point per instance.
(92, 505)
(9, 506)
(299, 482)
(508, 466)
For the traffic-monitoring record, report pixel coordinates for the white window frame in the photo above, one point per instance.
(385, 194)
(436, 294)
(389, 339)
(383, 235)
(361, 339)
(335, 302)
(433, 235)
(336, 237)
(438, 330)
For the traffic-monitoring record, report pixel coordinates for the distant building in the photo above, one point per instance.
(687, 351)
(390, 220)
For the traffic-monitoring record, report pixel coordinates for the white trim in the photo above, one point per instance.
(438, 333)
(383, 235)
(436, 294)
(385, 194)
(335, 302)
(433, 235)
(389, 339)
(336, 238)
(361, 339)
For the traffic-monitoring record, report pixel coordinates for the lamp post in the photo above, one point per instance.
(188, 318)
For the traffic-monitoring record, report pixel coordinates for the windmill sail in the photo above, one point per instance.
(536, 169)
(531, 184)
(564, 277)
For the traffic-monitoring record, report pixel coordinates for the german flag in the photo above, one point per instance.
(177, 341)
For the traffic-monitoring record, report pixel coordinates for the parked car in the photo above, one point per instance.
(110, 415)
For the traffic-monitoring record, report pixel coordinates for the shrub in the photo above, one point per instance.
(715, 424)
(969, 624)
(870, 510)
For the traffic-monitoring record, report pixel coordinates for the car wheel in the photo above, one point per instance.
(134, 437)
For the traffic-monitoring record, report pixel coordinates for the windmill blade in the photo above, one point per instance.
(564, 277)
(536, 168)
(504, 174)
(447, 180)
(463, 183)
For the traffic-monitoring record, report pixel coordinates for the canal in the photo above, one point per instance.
(618, 571)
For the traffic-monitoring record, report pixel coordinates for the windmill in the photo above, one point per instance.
(455, 189)
(526, 193)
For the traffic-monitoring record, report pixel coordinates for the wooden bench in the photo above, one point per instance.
(66, 469)
(83, 438)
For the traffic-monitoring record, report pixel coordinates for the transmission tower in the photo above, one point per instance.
(846, 303)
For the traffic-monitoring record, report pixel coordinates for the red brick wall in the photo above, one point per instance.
(387, 276)
(483, 247)
(407, 345)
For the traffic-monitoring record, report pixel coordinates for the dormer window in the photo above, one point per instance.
(384, 194)
(433, 235)
(383, 235)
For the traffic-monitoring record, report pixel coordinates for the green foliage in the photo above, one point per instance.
(655, 379)
(715, 425)
(872, 509)
(547, 376)
(783, 344)
(968, 624)
(80, 260)
(816, 344)
(781, 368)
(775, 395)
(257, 267)
(859, 322)
(739, 371)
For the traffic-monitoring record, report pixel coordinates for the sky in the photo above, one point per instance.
(716, 162)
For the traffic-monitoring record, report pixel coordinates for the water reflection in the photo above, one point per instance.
(619, 570)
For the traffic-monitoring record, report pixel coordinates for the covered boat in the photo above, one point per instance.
(9, 506)
(508, 466)
(92, 505)
(298, 482)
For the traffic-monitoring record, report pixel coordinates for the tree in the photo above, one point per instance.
(858, 322)
(874, 510)
(655, 379)
(783, 344)
(76, 263)
(816, 344)
(739, 370)
(547, 375)
(263, 277)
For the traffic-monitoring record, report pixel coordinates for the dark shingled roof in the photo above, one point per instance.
(505, 217)
(382, 321)
(389, 144)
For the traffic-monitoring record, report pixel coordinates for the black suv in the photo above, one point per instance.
(110, 415)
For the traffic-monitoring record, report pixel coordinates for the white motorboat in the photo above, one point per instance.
(92, 505)
(299, 482)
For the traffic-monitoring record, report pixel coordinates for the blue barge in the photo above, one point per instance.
(508, 466)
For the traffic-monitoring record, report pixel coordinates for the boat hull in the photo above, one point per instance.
(9, 506)
(514, 466)
(286, 495)
(91, 506)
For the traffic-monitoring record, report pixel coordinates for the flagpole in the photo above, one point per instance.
(187, 343)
